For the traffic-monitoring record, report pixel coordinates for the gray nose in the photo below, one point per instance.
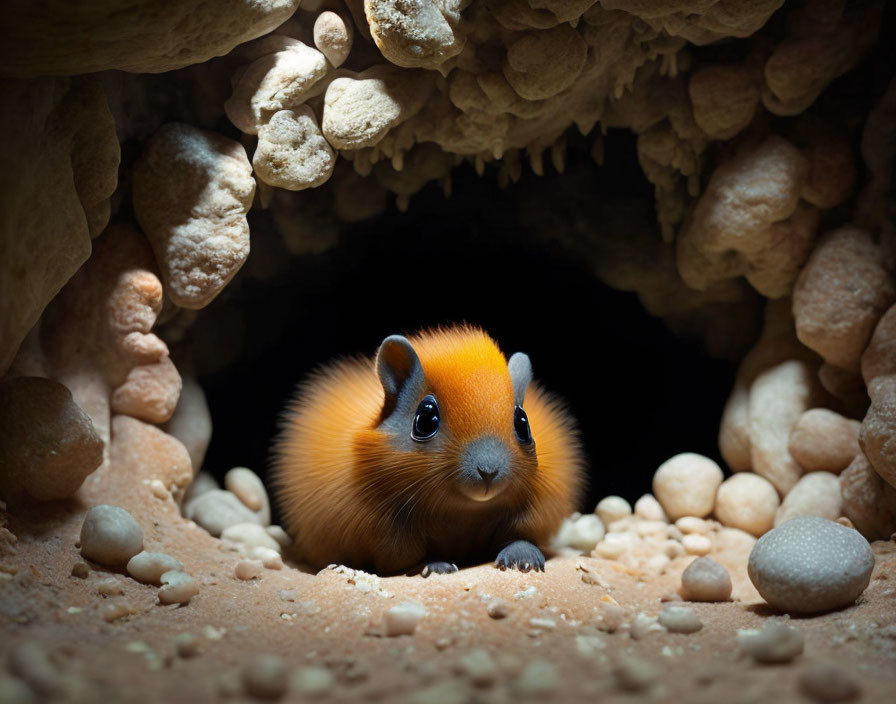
(486, 459)
(486, 475)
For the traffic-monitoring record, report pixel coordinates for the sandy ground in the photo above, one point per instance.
(334, 620)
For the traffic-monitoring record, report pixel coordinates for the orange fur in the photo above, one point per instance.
(348, 496)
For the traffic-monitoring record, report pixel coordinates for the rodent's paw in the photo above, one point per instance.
(438, 567)
(522, 555)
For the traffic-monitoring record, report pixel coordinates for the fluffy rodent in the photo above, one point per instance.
(358, 482)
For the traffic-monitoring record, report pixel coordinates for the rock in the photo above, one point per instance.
(135, 440)
(192, 189)
(725, 98)
(686, 485)
(265, 676)
(150, 392)
(877, 436)
(778, 398)
(747, 501)
(705, 580)
(191, 423)
(776, 642)
(691, 524)
(498, 608)
(822, 440)
(270, 559)
(420, 34)
(402, 619)
(879, 357)
(697, 544)
(541, 64)
(479, 667)
(649, 509)
(313, 682)
(60, 135)
(840, 295)
(634, 674)
(292, 152)
(539, 677)
(145, 39)
(110, 536)
(868, 501)
(48, 445)
(177, 587)
(680, 619)
(217, 510)
(248, 488)
(815, 494)
(148, 567)
(580, 533)
(187, 645)
(333, 37)
(612, 508)
(829, 682)
(810, 564)
(202, 483)
(250, 536)
(248, 569)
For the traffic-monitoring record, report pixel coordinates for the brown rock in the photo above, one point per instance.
(823, 440)
(840, 295)
(47, 444)
(815, 494)
(868, 501)
(59, 134)
(135, 440)
(140, 36)
(150, 392)
(879, 358)
(878, 434)
(847, 387)
(724, 98)
(192, 190)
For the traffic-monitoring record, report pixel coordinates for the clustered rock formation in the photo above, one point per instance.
(317, 112)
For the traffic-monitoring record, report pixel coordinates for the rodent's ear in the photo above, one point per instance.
(398, 368)
(521, 375)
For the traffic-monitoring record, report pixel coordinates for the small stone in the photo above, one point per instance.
(829, 682)
(110, 535)
(80, 570)
(649, 509)
(810, 564)
(265, 677)
(498, 608)
(333, 37)
(697, 545)
(580, 533)
(823, 440)
(177, 588)
(643, 625)
(158, 489)
(270, 559)
(249, 536)
(280, 535)
(635, 675)
(402, 619)
(692, 524)
(612, 508)
(313, 681)
(248, 569)
(248, 488)
(110, 587)
(187, 645)
(686, 485)
(705, 580)
(114, 610)
(217, 509)
(538, 677)
(148, 567)
(614, 546)
(479, 667)
(747, 501)
(815, 494)
(776, 642)
(680, 619)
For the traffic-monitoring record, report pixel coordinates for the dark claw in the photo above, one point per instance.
(522, 555)
(438, 567)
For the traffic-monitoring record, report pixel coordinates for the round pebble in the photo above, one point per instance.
(538, 677)
(686, 485)
(110, 535)
(148, 567)
(635, 675)
(218, 509)
(248, 488)
(614, 545)
(249, 536)
(695, 544)
(810, 564)
(815, 494)
(776, 642)
(705, 580)
(402, 619)
(498, 608)
(270, 559)
(313, 681)
(649, 509)
(829, 682)
(187, 645)
(680, 619)
(612, 508)
(248, 569)
(479, 667)
(581, 533)
(692, 524)
(747, 501)
(265, 677)
(177, 588)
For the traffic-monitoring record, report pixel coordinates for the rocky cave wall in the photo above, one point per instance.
(140, 136)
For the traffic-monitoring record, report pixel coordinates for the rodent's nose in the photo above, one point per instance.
(486, 475)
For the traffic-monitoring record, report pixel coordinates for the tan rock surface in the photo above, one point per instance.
(868, 501)
(824, 440)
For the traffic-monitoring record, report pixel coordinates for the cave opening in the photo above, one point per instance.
(640, 392)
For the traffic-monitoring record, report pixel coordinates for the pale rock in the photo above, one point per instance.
(748, 502)
(686, 485)
(110, 535)
(815, 494)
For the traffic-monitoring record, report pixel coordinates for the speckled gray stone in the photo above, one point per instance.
(810, 564)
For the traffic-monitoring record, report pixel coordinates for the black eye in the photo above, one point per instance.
(426, 420)
(521, 425)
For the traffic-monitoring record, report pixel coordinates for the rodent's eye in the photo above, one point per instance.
(521, 425)
(426, 420)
